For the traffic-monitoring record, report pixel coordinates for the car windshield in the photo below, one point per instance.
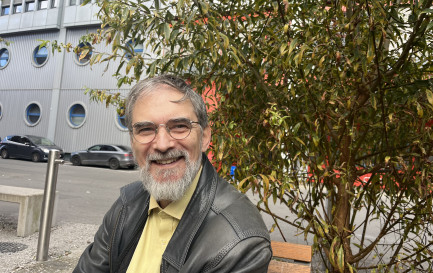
(125, 148)
(41, 141)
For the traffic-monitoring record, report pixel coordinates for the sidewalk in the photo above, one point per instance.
(67, 242)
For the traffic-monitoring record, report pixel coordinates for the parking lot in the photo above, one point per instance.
(85, 193)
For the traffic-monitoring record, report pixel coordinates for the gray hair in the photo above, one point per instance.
(149, 85)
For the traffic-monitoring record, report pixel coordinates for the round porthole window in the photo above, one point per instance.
(84, 53)
(76, 115)
(32, 115)
(1, 111)
(121, 122)
(132, 46)
(40, 56)
(4, 57)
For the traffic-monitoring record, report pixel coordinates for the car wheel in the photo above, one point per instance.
(4, 154)
(76, 161)
(36, 157)
(114, 164)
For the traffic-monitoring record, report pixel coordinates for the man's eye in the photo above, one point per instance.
(145, 130)
(180, 126)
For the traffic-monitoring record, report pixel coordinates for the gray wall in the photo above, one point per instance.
(22, 83)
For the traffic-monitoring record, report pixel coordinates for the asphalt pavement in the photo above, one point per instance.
(85, 194)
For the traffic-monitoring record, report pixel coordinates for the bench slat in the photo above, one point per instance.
(282, 267)
(291, 251)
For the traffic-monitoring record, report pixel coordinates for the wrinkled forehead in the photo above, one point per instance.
(159, 88)
(162, 102)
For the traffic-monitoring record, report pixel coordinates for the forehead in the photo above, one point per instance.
(160, 104)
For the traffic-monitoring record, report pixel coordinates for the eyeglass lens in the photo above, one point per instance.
(145, 132)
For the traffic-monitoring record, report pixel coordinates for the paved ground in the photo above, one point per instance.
(67, 242)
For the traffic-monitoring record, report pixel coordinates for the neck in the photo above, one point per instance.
(164, 203)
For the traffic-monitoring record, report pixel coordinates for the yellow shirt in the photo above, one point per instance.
(159, 228)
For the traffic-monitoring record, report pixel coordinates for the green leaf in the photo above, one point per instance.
(293, 44)
(204, 7)
(340, 259)
(370, 51)
(429, 96)
(419, 110)
(235, 57)
(225, 40)
(167, 31)
(283, 48)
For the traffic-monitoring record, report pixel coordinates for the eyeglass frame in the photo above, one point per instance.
(166, 128)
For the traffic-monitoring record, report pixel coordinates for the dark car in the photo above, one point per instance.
(31, 147)
(113, 156)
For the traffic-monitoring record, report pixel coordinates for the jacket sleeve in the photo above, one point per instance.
(95, 257)
(251, 255)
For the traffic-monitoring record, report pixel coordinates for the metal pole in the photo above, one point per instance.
(48, 205)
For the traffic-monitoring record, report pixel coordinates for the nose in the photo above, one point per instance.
(163, 141)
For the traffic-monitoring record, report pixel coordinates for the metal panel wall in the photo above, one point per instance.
(77, 76)
(14, 105)
(98, 127)
(20, 73)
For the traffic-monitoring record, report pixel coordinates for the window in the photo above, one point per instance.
(95, 148)
(54, 3)
(42, 4)
(1, 112)
(75, 2)
(121, 122)
(33, 114)
(108, 148)
(132, 46)
(18, 8)
(30, 5)
(76, 115)
(6, 7)
(40, 56)
(84, 53)
(4, 58)
(5, 10)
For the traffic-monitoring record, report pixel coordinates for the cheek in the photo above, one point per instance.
(139, 153)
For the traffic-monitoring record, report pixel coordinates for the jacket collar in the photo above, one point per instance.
(193, 216)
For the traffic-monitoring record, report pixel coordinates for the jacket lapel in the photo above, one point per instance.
(193, 217)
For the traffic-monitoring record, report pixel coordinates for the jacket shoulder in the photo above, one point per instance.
(129, 193)
(238, 211)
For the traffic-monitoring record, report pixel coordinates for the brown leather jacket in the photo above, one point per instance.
(220, 231)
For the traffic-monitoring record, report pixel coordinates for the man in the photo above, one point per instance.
(182, 217)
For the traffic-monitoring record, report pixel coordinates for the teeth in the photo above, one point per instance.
(168, 161)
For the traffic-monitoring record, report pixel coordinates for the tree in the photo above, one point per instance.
(341, 89)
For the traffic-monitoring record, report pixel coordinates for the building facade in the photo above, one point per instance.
(42, 93)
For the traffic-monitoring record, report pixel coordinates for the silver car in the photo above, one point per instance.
(113, 156)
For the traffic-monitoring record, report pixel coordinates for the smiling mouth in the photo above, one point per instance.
(167, 161)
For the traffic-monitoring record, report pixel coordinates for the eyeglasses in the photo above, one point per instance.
(146, 131)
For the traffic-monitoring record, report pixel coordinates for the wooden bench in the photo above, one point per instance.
(300, 256)
(30, 201)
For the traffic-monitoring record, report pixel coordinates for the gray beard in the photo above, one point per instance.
(169, 190)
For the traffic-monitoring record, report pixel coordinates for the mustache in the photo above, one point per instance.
(167, 155)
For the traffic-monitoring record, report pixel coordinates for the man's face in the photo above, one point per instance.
(165, 159)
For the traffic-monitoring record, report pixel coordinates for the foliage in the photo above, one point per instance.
(318, 102)
(3, 40)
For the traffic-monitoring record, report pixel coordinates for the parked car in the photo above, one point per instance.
(31, 147)
(113, 156)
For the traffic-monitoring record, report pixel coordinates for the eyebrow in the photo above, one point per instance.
(146, 122)
(141, 123)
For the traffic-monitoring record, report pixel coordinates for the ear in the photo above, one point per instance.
(205, 141)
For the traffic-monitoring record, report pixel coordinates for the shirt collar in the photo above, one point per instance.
(177, 208)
